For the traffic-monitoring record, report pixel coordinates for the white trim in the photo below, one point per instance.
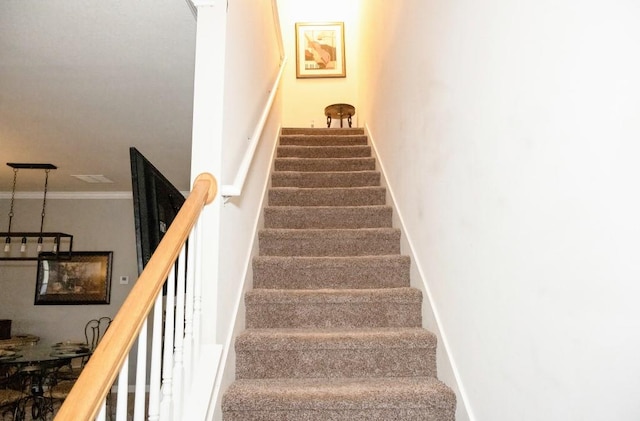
(228, 343)
(416, 262)
(203, 383)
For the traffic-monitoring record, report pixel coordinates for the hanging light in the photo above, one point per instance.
(58, 237)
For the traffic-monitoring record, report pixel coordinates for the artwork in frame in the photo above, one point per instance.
(320, 50)
(79, 278)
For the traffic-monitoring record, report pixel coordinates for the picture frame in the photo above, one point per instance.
(74, 278)
(320, 50)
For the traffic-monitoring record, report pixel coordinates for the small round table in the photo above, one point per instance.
(339, 111)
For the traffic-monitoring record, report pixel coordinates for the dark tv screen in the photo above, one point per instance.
(156, 203)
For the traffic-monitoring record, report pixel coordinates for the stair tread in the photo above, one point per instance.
(336, 338)
(329, 231)
(358, 147)
(325, 173)
(334, 261)
(325, 130)
(297, 159)
(298, 208)
(338, 393)
(327, 189)
(398, 295)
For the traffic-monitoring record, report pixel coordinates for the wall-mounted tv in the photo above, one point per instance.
(156, 203)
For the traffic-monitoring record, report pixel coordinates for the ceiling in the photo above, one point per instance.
(81, 82)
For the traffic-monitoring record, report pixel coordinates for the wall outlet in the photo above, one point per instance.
(124, 280)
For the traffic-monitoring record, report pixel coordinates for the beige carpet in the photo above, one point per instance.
(333, 326)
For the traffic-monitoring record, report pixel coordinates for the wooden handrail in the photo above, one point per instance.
(91, 388)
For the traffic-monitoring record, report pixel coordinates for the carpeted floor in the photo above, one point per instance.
(333, 326)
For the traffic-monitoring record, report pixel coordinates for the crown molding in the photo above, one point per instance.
(77, 195)
(198, 3)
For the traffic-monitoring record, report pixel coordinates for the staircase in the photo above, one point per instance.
(333, 328)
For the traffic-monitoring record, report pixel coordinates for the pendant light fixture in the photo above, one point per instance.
(42, 241)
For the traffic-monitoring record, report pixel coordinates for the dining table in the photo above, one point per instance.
(35, 366)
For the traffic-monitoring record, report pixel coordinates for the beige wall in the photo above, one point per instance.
(97, 225)
(304, 100)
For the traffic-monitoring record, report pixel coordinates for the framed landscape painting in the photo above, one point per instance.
(82, 278)
(320, 50)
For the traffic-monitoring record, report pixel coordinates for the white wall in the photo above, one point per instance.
(304, 100)
(512, 151)
(247, 57)
(237, 62)
(246, 92)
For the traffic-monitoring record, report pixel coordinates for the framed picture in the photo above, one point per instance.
(79, 278)
(320, 50)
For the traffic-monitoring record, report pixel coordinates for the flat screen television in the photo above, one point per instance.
(156, 203)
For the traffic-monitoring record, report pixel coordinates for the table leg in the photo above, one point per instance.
(328, 121)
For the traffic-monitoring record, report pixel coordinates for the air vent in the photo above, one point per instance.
(93, 178)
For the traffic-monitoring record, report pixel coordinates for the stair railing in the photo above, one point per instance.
(235, 189)
(175, 338)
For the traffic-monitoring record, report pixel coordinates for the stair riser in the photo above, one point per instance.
(324, 164)
(338, 273)
(319, 217)
(324, 152)
(320, 140)
(404, 414)
(395, 362)
(325, 179)
(362, 196)
(343, 315)
(323, 244)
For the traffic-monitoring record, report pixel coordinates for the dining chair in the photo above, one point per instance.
(12, 397)
(94, 330)
(62, 380)
(10, 403)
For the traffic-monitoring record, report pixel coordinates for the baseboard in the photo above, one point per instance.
(462, 411)
(227, 347)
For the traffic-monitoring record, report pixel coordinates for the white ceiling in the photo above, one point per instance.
(82, 81)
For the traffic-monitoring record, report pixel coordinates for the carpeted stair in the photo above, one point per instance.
(333, 327)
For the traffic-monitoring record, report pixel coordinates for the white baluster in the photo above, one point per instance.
(166, 403)
(123, 392)
(179, 337)
(188, 318)
(156, 361)
(197, 298)
(141, 374)
(102, 414)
